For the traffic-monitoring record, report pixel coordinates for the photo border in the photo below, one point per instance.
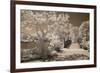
(13, 35)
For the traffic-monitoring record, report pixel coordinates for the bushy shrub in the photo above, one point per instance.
(84, 35)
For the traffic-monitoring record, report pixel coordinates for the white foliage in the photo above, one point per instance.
(84, 34)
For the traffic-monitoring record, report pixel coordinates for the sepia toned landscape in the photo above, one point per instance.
(54, 36)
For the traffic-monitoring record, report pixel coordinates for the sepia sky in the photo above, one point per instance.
(77, 18)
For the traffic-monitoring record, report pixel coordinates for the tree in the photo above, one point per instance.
(27, 25)
(48, 30)
(60, 25)
(84, 35)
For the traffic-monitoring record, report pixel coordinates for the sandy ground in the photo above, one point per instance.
(74, 49)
